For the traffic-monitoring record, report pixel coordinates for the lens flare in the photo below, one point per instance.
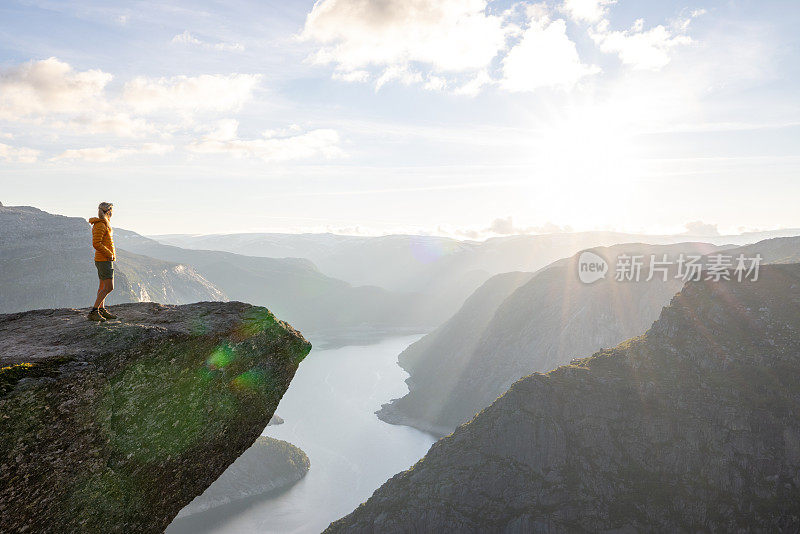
(222, 356)
(429, 251)
(250, 381)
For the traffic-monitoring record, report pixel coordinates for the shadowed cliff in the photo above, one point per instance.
(520, 323)
(691, 427)
(115, 427)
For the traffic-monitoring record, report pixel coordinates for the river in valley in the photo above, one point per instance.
(329, 413)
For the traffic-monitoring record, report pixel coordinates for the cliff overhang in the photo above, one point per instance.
(114, 427)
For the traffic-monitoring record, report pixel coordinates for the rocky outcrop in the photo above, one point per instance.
(115, 427)
(268, 465)
(46, 261)
(276, 420)
(691, 427)
(520, 323)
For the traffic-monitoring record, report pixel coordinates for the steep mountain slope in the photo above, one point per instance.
(776, 250)
(115, 427)
(691, 427)
(431, 361)
(47, 261)
(526, 327)
(292, 287)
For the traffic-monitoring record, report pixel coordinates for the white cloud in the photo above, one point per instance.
(474, 86)
(107, 153)
(544, 57)
(272, 146)
(445, 36)
(590, 11)
(435, 83)
(351, 76)
(447, 44)
(97, 154)
(49, 86)
(700, 228)
(637, 47)
(506, 226)
(51, 92)
(187, 38)
(156, 148)
(183, 93)
(398, 73)
(120, 124)
(12, 154)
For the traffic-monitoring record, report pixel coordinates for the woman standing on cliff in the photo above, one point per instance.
(104, 256)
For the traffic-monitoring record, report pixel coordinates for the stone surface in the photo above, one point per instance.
(691, 427)
(276, 420)
(115, 427)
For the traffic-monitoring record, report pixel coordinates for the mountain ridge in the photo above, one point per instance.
(531, 326)
(689, 427)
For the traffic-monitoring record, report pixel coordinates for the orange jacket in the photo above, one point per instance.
(102, 240)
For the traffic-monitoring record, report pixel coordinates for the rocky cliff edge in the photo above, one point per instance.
(115, 427)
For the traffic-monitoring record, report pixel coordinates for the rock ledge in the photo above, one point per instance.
(115, 427)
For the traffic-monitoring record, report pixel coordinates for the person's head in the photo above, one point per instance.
(104, 210)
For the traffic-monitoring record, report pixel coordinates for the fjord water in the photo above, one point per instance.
(329, 413)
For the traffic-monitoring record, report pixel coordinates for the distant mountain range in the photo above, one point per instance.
(293, 288)
(442, 271)
(691, 427)
(46, 261)
(519, 323)
(369, 286)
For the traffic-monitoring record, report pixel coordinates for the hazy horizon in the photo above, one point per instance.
(637, 117)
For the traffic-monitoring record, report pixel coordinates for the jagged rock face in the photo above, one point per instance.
(516, 325)
(691, 427)
(47, 261)
(115, 427)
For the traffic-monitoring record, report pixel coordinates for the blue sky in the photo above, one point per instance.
(382, 116)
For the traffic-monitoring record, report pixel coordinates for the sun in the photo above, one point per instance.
(585, 158)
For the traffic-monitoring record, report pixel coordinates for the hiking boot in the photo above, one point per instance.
(94, 315)
(107, 314)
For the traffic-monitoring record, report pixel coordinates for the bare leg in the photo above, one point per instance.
(106, 287)
(109, 289)
(101, 294)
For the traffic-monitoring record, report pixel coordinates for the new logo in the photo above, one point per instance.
(591, 267)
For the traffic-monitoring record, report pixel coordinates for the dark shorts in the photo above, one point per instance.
(105, 269)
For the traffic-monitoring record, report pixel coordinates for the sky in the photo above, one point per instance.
(466, 118)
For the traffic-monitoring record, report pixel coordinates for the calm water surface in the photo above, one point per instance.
(329, 413)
